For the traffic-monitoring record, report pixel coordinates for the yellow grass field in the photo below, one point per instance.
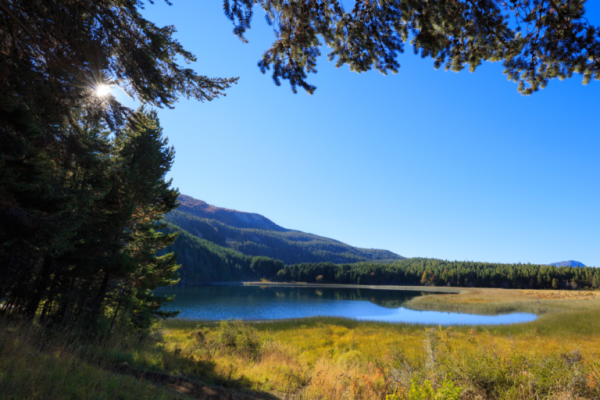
(312, 358)
(555, 357)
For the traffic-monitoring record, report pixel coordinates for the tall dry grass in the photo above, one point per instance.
(346, 359)
(555, 357)
(36, 366)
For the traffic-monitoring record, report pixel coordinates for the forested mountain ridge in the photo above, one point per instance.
(254, 235)
(204, 261)
(210, 250)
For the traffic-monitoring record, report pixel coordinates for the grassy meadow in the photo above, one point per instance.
(555, 357)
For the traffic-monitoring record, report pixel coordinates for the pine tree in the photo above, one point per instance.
(73, 190)
(147, 159)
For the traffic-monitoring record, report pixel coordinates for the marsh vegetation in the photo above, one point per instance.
(555, 357)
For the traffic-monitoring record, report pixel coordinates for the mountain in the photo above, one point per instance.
(569, 263)
(252, 234)
(236, 219)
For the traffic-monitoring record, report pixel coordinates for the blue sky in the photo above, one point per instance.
(425, 163)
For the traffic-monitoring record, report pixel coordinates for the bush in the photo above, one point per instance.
(239, 338)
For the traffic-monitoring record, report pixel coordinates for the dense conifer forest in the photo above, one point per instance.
(433, 272)
(211, 251)
(203, 261)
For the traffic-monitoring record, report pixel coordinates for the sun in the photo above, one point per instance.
(102, 90)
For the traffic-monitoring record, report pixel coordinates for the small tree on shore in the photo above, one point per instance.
(426, 278)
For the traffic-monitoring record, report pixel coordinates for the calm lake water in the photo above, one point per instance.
(263, 303)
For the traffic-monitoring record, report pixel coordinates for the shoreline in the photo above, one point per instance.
(482, 301)
(430, 298)
(433, 289)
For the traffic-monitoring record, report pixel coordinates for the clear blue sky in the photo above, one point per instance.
(423, 163)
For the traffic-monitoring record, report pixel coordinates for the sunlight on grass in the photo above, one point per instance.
(555, 357)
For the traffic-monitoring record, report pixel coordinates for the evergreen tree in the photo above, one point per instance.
(79, 186)
(143, 197)
(106, 259)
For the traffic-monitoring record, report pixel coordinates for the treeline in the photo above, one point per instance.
(291, 247)
(433, 272)
(203, 261)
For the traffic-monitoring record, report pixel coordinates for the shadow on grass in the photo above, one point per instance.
(227, 388)
(121, 356)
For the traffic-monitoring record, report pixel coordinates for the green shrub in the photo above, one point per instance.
(238, 338)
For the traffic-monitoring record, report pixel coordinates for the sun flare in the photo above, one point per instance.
(102, 90)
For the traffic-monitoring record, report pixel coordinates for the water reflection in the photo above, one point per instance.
(266, 302)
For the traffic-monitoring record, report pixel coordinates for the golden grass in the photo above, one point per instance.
(340, 358)
(555, 357)
(494, 301)
(502, 295)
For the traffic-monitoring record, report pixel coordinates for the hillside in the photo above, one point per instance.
(254, 235)
(203, 261)
(236, 219)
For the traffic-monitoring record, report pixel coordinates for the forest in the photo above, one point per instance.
(434, 272)
(203, 261)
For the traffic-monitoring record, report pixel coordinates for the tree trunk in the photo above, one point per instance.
(5, 272)
(112, 324)
(42, 284)
(100, 296)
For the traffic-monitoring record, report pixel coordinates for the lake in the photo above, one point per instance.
(279, 302)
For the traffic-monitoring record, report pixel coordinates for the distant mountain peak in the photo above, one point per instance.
(569, 263)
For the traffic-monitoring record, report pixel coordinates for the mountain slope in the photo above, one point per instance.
(203, 261)
(236, 219)
(254, 235)
(570, 263)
